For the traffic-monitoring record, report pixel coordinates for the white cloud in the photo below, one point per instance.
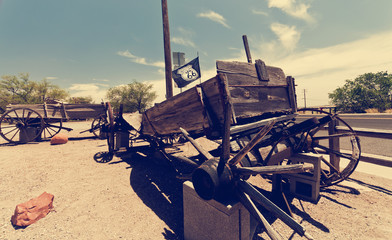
(213, 16)
(287, 35)
(259, 12)
(95, 90)
(295, 8)
(51, 78)
(140, 60)
(183, 41)
(322, 70)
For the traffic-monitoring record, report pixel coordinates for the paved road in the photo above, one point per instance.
(372, 121)
(375, 121)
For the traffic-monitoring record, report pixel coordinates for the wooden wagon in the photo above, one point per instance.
(23, 123)
(231, 108)
(242, 122)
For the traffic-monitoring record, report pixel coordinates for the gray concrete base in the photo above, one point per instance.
(212, 220)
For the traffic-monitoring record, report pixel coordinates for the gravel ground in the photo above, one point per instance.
(133, 198)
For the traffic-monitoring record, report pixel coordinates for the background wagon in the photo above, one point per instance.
(29, 122)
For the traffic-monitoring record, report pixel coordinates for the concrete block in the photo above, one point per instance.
(305, 185)
(213, 220)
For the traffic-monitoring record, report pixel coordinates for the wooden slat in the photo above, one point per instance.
(212, 100)
(291, 93)
(56, 111)
(240, 73)
(183, 110)
(261, 70)
(254, 101)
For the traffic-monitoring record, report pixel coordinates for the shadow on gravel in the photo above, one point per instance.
(374, 187)
(159, 189)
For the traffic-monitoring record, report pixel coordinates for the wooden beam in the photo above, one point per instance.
(248, 203)
(247, 51)
(256, 139)
(273, 169)
(167, 50)
(199, 148)
(270, 206)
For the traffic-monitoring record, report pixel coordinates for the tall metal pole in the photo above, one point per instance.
(167, 50)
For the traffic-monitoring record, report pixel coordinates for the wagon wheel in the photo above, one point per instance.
(51, 128)
(97, 124)
(110, 137)
(21, 125)
(340, 150)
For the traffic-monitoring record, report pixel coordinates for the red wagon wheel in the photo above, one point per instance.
(21, 125)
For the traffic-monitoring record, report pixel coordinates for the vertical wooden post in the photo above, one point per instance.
(247, 51)
(291, 92)
(334, 144)
(167, 50)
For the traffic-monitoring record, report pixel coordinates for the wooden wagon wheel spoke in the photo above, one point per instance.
(332, 143)
(340, 154)
(13, 136)
(52, 128)
(97, 124)
(17, 126)
(14, 128)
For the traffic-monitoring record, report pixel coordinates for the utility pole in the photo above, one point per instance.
(167, 50)
(304, 98)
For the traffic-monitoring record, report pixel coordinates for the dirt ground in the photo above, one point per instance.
(133, 198)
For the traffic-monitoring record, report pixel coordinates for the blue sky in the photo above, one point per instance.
(88, 46)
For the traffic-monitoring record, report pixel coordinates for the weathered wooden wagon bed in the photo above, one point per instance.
(255, 92)
(29, 122)
(231, 108)
(241, 122)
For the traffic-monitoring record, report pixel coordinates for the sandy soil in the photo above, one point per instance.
(133, 198)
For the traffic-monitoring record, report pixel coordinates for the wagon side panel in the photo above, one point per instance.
(47, 111)
(256, 89)
(184, 110)
(83, 111)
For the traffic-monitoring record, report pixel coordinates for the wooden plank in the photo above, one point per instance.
(45, 111)
(199, 148)
(183, 110)
(240, 73)
(212, 100)
(291, 93)
(261, 70)
(84, 111)
(247, 51)
(254, 101)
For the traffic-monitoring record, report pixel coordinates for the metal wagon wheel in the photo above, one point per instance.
(336, 141)
(21, 125)
(51, 128)
(97, 125)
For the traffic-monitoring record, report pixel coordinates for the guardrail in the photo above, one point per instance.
(375, 133)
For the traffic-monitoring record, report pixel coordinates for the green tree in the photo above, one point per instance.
(135, 96)
(17, 89)
(81, 100)
(20, 90)
(369, 90)
(45, 90)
